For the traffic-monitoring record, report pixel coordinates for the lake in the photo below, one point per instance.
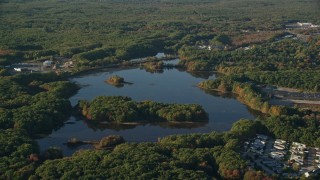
(169, 86)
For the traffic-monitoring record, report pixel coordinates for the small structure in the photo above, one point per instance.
(313, 172)
(300, 25)
(205, 47)
(20, 69)
(47, 63)
(306, 25)
(17, 69)
(317, 157)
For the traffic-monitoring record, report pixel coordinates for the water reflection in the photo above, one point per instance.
(182, 125)
(203, 75)
(234, 96)
(114, 126)
(153, 71)
(221, 94)
(124, 126)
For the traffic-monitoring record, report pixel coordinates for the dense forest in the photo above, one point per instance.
(244, 40)
(35, 102)
(287, 63)
(95, 32)
(31, 104)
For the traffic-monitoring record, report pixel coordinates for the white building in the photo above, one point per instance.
(304, 24)
(17, 69)
(47, 63)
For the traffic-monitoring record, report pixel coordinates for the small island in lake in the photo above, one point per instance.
(153, 66)
(105, 143)
(118, 109)
(116, 81)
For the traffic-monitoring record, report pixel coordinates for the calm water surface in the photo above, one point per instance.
(170, 86)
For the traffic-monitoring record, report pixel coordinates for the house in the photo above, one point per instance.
(305, 25)
(279, 147)
(280, 141)
(277, 155)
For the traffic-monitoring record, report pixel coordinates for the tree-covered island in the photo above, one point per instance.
(115, 81)
(118, 109)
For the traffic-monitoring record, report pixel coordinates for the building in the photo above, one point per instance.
(305, 25)
(21, 69)
(300, 25)
(317, 157)
(17, 69)
(279, 149)
(47, 63)
(298, 151)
